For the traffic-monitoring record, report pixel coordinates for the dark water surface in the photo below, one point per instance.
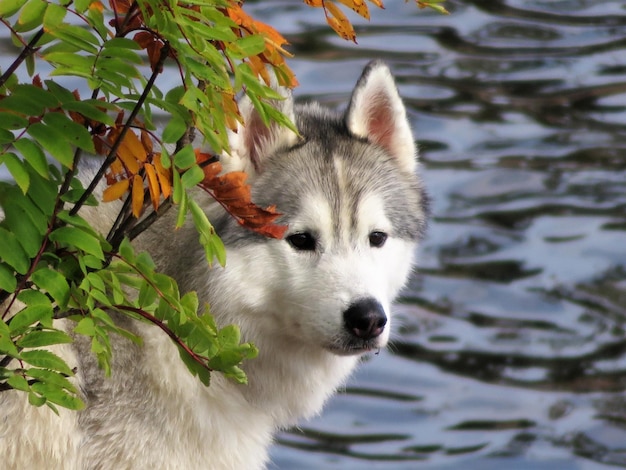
(511, 352)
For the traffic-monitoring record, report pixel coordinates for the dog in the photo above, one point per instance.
(313, 303)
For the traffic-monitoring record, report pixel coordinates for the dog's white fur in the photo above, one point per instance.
(152, 413)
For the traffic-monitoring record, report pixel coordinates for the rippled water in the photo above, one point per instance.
(511, 350)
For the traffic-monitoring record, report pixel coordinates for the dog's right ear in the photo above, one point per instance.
(254, 141)
(376, 112)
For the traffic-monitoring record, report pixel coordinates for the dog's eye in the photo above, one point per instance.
(377, 239)
(302, 241)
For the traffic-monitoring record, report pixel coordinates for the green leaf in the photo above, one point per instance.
(29, 100)
(54, 142)
(34, 297)
(246, 46)
(71, 59)
(54, 283)
(31, 15)
(89, 109)
(33, 154)
(192, 177)
(12, 253)
(54, 16)
(18, 382)
(21, 210)
(46, 360)
(77, 37)
(6, 137)
(10, 7)
(58, 396)
(185, 158)
(6, 343)
(36, 400)
(28, 316)
(48, 376)
(39, 338)
(18, 221)
(12, 121)
(85, 327)
(71, 131)
(174, 130)
(17, 170)
(75, 237)
(8, 282)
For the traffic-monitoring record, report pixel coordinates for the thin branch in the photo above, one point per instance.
(26, 52)
(155, 321)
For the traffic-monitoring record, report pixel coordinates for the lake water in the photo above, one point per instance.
(509, 350)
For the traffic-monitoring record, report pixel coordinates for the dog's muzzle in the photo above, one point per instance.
(365, 319)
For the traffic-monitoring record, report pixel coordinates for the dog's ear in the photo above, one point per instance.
(376, 112)
(254, 141)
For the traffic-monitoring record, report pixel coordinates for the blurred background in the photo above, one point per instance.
(509, 347)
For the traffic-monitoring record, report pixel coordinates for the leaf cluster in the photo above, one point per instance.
(53, 264)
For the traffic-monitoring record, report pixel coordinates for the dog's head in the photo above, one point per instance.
(348, 190)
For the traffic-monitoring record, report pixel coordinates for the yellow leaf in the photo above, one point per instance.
(164, 176)
(115, 191)
(339, 22)
(358, 6)
(153, 185)
(132, 145)
(378, 3)
(137, 196)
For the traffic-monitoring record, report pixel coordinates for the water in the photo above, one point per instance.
(510, 351)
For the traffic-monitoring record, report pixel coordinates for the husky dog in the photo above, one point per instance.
(313, 303)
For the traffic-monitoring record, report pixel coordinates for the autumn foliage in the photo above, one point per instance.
(53, 263)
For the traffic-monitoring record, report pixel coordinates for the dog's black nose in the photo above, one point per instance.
(365, 319)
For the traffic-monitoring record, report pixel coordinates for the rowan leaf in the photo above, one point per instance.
(76, 237)
(54, 283)
(30, 315)
(174, 129)
(17, 170)
(339, 22)
(116, 190)
(10, 7)
(53, 141)
(137, 196)
(39, 338)
(8, 282)
(153, 185)
(12, 253)
(33, 154)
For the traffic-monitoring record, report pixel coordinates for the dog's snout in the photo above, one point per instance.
(365, 319)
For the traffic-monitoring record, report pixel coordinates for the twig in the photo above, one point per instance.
(26, 52)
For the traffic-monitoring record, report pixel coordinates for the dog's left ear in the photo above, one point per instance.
(376, 112)
(254, 141)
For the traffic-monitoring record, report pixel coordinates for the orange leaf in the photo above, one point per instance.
(133, 146)
(153, 185)
(164, 175)
(378, 3)
(232, 192)
(115, 191)
(137, 196)
(96, 5)
(339, 22)
(358, 6)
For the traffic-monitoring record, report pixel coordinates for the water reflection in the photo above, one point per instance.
(509, 349)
